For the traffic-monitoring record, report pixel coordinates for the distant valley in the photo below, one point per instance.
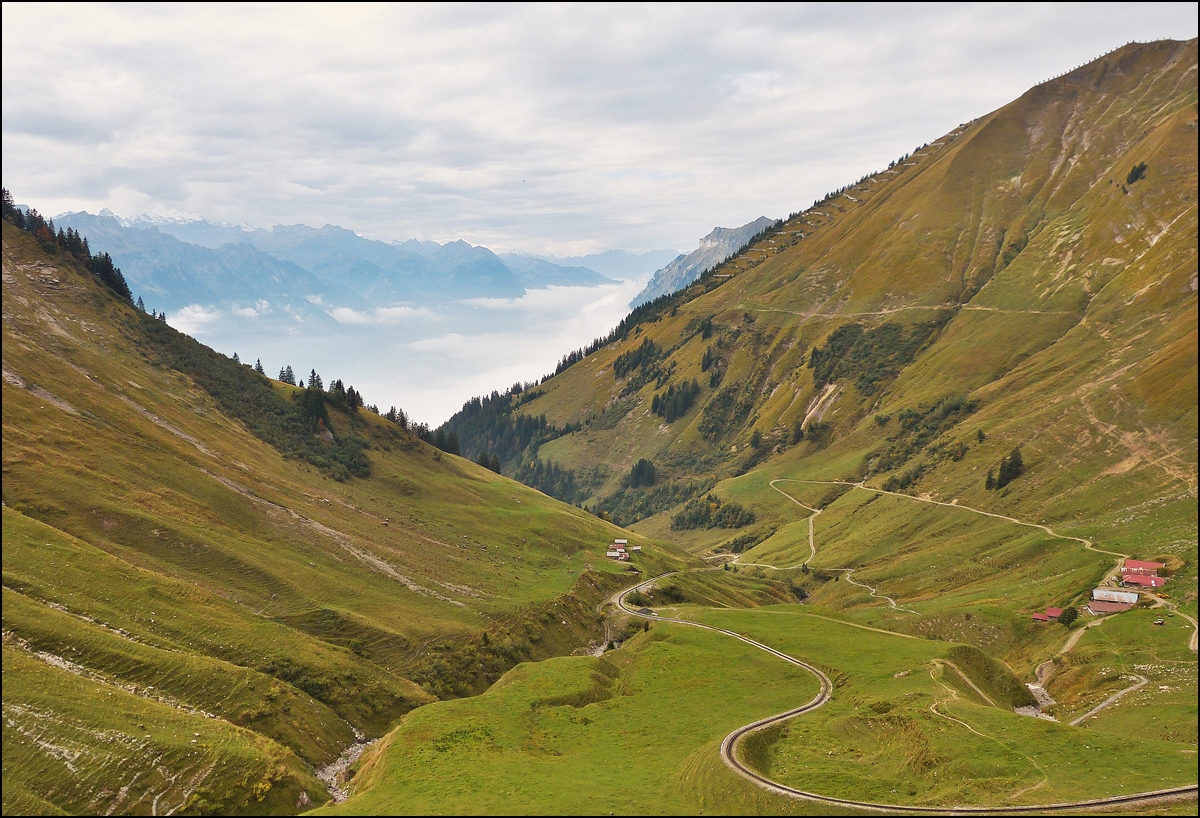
(887, 506)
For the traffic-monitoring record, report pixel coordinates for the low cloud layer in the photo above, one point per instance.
(426, 361)
(561, 129)
(379, 315)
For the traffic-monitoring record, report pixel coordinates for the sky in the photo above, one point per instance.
(548, 129)
(527, 128)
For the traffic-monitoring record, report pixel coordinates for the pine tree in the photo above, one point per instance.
(258, 367)
(236, 359)
(141, 305)
(1011, 468)
(314, 380)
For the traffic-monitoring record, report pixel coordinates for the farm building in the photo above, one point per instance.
(618, 550)
(1099, 606)
(1142, 581)
(1124, 597)
(1052, 614)
(1142, 567)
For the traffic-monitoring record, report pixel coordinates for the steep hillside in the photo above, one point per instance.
(195, 619)
(1025, 281)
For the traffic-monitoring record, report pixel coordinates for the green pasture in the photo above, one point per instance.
(1105, 661)
(634, 732)
(890, 734)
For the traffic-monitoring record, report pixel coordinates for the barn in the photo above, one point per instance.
(1098, 606)
(1106, 595)
(1142, 581)
(1142, 567)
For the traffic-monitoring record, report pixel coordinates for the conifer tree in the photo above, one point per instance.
(258, 367)
(1011, 468)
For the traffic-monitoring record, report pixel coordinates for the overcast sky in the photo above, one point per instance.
(557, 129)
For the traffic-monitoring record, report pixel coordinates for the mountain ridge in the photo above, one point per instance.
(718, 245)
(1013, 286)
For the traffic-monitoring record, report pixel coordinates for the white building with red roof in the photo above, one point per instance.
(1142, 567)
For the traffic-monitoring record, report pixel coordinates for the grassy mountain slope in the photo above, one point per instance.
(1010, 265)
(170, 576)
(1010, 285)
(1014, 284)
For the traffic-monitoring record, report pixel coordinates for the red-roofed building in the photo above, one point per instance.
(1149, 569)
(1040, 618)
(1143, 581)
(1099, 606)
(1054, 613)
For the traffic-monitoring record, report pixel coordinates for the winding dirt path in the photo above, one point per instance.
(1111, 700)
(812, 548)
(730, 743)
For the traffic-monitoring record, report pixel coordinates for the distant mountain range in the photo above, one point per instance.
(714, 248)
(177, 261)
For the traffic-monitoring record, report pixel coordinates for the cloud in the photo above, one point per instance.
(561, 302)
(193, 318)
(379, 315)
(261, 307)
(544, 128)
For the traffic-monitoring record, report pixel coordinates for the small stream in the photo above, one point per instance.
(332, 773)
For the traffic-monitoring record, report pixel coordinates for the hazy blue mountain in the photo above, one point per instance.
(421, 248)
(536, 273)
(188, 228)
(171, 274)
(714, 248)
(178, 261)
(616, 263)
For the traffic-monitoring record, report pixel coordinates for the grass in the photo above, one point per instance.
(878, 738)
(638, 731)
(634, 732)
(76, 745)
(160, 546)
(1104, 662)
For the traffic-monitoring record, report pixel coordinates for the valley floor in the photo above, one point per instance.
(901, 720)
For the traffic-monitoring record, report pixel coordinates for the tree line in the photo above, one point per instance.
(491, 426)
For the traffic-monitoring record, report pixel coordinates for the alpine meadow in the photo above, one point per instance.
(893, 510)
